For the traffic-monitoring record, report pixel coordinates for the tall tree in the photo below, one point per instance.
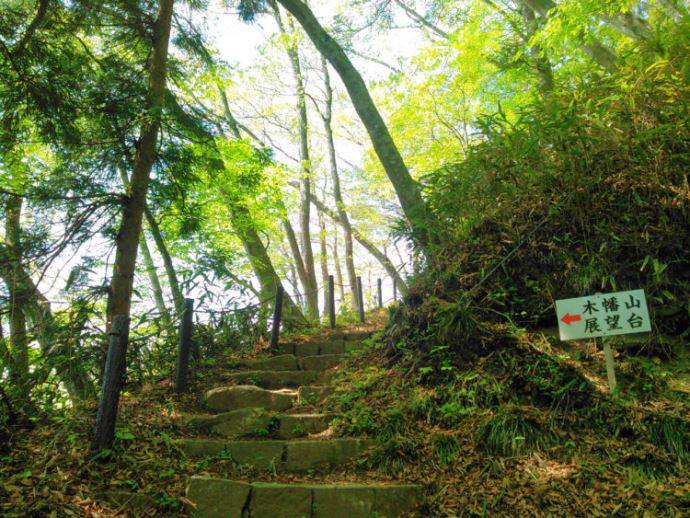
(307, 256)
(407, 190)
(327, 117)
(134, 202)
(251, 241)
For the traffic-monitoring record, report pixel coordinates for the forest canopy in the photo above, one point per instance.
(469, 161)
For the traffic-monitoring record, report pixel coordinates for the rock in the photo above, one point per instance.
(258, 454)
(347, 501)
(284, 362)
(298, 425)
(274, 379)
(306, 349)
(216, 497)
(242, 422)
(313, 394)
(305, 455)
(332, 347)
(246, 396)
(396, 500)
(280, 500)
(320, 362)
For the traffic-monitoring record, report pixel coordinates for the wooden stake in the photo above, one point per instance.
(277, 314)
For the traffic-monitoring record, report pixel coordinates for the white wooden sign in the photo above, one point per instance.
(603, 314)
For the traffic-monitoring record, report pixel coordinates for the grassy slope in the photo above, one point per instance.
(583, 455)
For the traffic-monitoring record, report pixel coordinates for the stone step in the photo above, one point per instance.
(292, 426)
(290, 362)
(274, 379)
(224, 399)
(318, 348)
(283, 362)
(278, 455)
(257, 422)
(216, 497)
(313, 394)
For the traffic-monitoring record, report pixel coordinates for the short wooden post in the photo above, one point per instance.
(113, 378)
(380, 292)
(360, 294)
(395, 289)
(184, 346)
(331, 301)
(277, 313)
(610, 369)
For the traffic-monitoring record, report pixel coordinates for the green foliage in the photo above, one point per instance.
(671, 433)
(512, 432)
(446, 448)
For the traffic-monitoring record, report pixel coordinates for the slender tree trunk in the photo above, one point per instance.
(323, 259)
(258, 255)
(35, 308)
(327, 116)
(178, 297)
(421, 19)
(368, 245)
(311, 294)
(336, 263)
(406, 188)
(19, 339)
(262, 265)
(135, 202)
(150, 267)
(155, 282)
(296, 255)
(292, 279)
(541, 62)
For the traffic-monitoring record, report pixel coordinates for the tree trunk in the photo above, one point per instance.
(327, 116)
(323, 260)
(155, 282)
(311, 293)
(368, 245)
(407, 190)
(422, 20)
(158, 297)
(258, 256)
(35, 308)
(178, 297)
(336, 263)
(541, 62)
(262, 265)
(135, 201)
(19, 339)
(296, 255)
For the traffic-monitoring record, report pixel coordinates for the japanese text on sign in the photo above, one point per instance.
(603, 315)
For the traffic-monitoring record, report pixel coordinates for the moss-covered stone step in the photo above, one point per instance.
(216, 497)
(258, 422)
(283, 362)
(290, 362)
(315, 348)
(287, 456)
(224, 399)
(313, 394)
(292, 426)
(274, 379)
(238, 423)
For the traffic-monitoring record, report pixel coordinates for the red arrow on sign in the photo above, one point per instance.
(569, 319)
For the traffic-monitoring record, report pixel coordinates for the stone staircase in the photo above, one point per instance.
(255, 421)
